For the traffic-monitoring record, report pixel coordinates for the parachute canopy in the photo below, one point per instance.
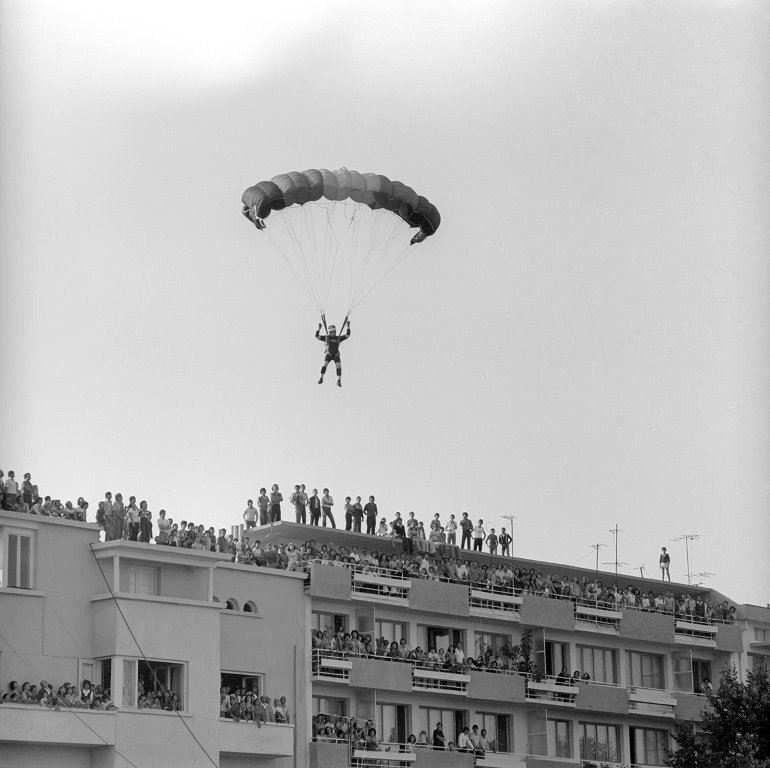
(339, 229)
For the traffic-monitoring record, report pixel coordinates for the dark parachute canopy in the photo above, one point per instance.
(339, 229)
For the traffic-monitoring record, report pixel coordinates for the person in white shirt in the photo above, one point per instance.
(479, 534)
(464, 743)
(250, 515)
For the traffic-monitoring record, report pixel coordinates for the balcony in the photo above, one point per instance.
(380, 585)
(503, 760)
(651, 701)
(330, 667)
(271, 740)
(381, 674)
(603, 697)
(324, 754)
(549, 690)
(495, 603)
(695, 632)
(426, 679)
(74, 727)
(595, 619)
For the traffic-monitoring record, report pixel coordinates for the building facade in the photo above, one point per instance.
(124, 614)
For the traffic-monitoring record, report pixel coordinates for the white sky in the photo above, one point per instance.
(583, 342)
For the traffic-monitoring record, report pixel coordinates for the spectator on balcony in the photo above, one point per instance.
(484, 742)
(464, 743)
(665, 562)
(276, 497)
(422, 740)
(466, 526)
(479, 534)
(492, 541)
(438, 741)
(13, 694)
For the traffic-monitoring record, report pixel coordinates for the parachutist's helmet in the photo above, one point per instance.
(332, 329)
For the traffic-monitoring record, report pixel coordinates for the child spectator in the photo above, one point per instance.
(263, 504)
(276, 497)
(327, 502)
(358, 515)
(250, 515)
(370, 510)
(145, 523)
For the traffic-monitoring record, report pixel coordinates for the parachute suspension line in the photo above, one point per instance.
(299, 248)
(308, 214)
(339, 242)
(289, 262)
(371, 278)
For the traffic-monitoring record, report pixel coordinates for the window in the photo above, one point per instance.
(645, 670)
(334, 622)
(599, 742)
(559, 738)
(701, 670)
(247, 683)
(231, 604)
(498, 730)
(16, 567)
(483, 641)
(142, 580)
(649, 746)
(250, 607)
(441, 637)
(323, 705)
(598, 662)
(392, 631)
(391, 722)
(556, 657)
(141, 678)
(451, 722)
(760, 635)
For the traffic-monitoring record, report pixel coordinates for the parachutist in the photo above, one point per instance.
(332, 341)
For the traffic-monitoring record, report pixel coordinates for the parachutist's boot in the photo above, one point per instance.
(321, 380)
(339, 382)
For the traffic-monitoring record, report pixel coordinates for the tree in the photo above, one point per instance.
(520, 656)
(735, 728)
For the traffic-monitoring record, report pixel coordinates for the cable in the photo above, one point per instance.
(146, 660)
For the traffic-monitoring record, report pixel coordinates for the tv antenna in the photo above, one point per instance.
(640, 568)
(703, 575)
(687, 538)
(615, 531)
(596, 547)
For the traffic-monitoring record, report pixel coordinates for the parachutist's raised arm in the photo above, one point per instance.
(318, 333)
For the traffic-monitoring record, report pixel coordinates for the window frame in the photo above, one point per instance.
(133, 662)
(582, 740)
(5, 557)
(581, 665)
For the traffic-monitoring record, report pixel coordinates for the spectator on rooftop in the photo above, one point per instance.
(145, 523)
(665, 562)
(276, 497)
(466, 526)
(299, 500)
(505, 543)
(370, 510)
(492, 541)
(119, 517)
(479, 534)
(327, 502)
(348, 507)
(451, 531)
(358, 515)
(382, 529)
(132, 512)
(11, 491)
(314, 503)
(250, 515)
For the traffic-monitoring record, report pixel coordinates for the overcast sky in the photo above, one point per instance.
(584, 342)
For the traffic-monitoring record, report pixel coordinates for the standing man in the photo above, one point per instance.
(665, 561)
(465, 526)
(358, 515)
(370, 510)
(479, 534)
(505, 543)
(263, 503)
(327, 502)
(250, 515)
(492, 541)
(348, 514)
(299, 500)
(315, 507)
(276, 497)
(451, 531)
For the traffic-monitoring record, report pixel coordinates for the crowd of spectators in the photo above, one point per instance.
(67, 695)
(362, 734)
(242, 705)
(434, 554)
(26, 498)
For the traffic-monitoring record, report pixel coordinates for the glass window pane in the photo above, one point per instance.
(129, 683)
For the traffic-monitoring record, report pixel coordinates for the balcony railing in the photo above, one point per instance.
(592, 616)
(695, 631)
(331, 666)
(426, 678)
(382, 585)
(651, 701)
(553, 690)
(494, 600)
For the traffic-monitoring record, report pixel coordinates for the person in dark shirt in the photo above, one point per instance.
(332, 341)
(314, 503)
(370, 510)
(358, 515)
